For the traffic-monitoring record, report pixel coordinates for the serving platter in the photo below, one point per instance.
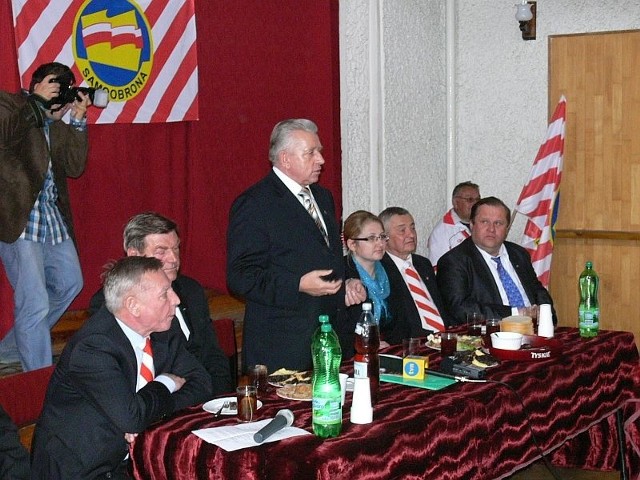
(534, 349)
(283, 377)
(299, 391)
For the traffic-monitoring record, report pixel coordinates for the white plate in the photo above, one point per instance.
(291, 392)
(212, 406)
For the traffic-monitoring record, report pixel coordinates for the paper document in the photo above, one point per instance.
(235, 437)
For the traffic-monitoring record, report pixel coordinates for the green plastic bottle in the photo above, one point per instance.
(327, 397)
(589, 310)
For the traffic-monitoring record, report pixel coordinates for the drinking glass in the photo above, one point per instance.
(247, 397)
(410, 346)
(474, 323)
(448, 343)
(258, 377)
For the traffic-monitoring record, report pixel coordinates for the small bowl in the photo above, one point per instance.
(506, 340)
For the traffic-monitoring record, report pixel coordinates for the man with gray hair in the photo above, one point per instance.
(123, 370)
(414, 292)
(284, 253)
(150, 234)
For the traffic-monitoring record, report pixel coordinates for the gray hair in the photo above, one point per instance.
(387, 213)
(123, 276)
(144, 224)
(281, 135)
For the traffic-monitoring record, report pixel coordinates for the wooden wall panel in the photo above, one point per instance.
(599, 217)
(618, 266)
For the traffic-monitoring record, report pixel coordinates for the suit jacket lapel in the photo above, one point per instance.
(126, 346)
(186, 314)
(483, 272)
(302, 216)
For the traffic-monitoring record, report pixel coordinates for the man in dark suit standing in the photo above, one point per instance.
(284, 253)
(413, 315)
(123, 370)
(150, 234)
(487, 274)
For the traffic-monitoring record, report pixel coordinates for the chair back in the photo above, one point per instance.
(226, 333)
(22, 394)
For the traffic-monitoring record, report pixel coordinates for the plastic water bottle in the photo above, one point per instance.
(588, 311)
(366, 363)
(327, 396)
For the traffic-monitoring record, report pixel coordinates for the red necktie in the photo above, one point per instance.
(429, 314)
(146, 366)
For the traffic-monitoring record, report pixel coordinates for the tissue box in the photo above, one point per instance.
(413, 367)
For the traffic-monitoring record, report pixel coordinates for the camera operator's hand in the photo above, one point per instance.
(46, 89)
(79, 108)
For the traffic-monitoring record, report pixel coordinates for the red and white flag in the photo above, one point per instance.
(142, 52)
(540, 197)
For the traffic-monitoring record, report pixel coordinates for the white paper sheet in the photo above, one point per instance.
(235, 437)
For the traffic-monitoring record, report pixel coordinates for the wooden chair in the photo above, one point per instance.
(22, 397)
(226, 333)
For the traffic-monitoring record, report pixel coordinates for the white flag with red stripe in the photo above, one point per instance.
(142, 52)
(540, 197)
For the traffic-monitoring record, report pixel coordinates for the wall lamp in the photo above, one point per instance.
(526, 15)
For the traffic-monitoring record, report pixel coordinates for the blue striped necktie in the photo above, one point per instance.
(513, 294)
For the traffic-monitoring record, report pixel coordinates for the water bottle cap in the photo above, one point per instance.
(366, 307)
(323, 318)
(589, 264)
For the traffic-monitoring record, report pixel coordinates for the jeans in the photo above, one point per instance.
(45, 280)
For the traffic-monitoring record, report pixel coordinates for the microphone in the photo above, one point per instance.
(284, 418)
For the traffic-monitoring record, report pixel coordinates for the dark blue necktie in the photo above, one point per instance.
(513, 294)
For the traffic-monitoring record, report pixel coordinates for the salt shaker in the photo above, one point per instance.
(545, 321)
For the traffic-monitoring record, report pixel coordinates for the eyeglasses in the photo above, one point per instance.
(469, 199)
(383, 237)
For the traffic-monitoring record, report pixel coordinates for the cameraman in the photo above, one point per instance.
(37, 154)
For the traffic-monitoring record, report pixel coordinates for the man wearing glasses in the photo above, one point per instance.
(453, 229)
(415, 300)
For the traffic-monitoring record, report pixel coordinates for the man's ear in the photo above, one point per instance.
(285, 163)
(133, 252)
(132, 305)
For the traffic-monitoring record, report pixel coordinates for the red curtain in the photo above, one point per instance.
(258, 63)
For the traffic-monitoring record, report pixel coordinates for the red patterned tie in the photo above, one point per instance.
(429, 314)
(146, 366)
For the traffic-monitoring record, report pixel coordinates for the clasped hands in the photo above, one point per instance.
(317, 284)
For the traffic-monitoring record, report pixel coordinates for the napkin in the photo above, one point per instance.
(235, 437)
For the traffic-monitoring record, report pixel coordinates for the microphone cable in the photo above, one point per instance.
(463, 379)
(543, 456)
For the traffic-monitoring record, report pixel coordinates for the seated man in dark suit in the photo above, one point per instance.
(14, 458)
(414, 299)
(487, 274)
(152, 235)
(123, 370)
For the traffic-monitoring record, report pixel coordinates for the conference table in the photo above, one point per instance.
(568, 406)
